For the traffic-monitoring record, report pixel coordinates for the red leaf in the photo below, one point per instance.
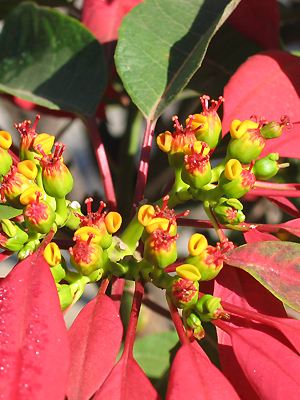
(268, 85)
(95, 339)
(275, 265)
(286, 205)
(254, 235)
(194, 377)
(271, 368)
(239, 288)
(127, 381)
(264, 16)
(292, 226)
(104, 18)
(34, 348)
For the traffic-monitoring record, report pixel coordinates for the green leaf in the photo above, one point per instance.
(276, 265)
(51, 59)
(162, 44)
(7, 212)
(152, 352)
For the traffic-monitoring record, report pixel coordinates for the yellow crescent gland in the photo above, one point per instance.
(52, 254)
(145, 214)
(233, 169)
(86, 233)
(238, 128)
(113, 221)
(161, 223)
(197, 244)
(198, 124)
(30, 194)
(28, 169)
(164, 141)
(44, 140)
(189, 272)
(201, 147)
(5, 140)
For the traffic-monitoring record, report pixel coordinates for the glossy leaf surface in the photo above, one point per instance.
(103, 18)
(40, 64)
(34, 348)
(267, 85)
(194, 377)
(95, 339)
(271, 367)
(161, 45)
(127, 381)
(276, 265)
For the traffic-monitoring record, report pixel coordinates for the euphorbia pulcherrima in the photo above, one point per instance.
(211, 284)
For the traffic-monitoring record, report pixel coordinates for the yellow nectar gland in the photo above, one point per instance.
(44, 140)
(233, 169)
(5, 140)
(189, 272)
(164, 141)
(113, 221)
(145, 214)
(238, 128)
(28, 168)
(197, 244)
(30, 194)
(89, 232)
(52, 254)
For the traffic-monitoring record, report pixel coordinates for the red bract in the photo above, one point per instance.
(34, 348)
(254, 235)
(95, 339)
(104, 18)
(258, 20)
(194, 377)
(127, 381)
(267, 85)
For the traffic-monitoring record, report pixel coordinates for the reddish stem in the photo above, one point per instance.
(144, 162)
(14, 157)
(102, 162)
(177, 322)
(222, 325)
(275, 193)
(276, 186)
(103, 286)
(117, 291)
(133, 320)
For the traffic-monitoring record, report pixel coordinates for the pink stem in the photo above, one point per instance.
(277, 186)
(102, 162)
(177, 322)
(14, 157)
(133, 320)
(103, 286)
(222, 325)
(144, 162)
(275, 193)
(117, 291)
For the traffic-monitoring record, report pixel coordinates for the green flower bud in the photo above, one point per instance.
(266, 167)
(57, 179)
(28, 249)
(160, 248)
(39, 215)
(13, 185)
(235, 181)
(86, 255)
(209, 307)
(65, 295)
(229, 211)
(196, 170)
(207, 125)
(194, 322)
(274, 129)
(12, 237)
(184, 293)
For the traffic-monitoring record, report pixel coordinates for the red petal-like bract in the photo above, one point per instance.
(194, 377)
(274, 264)
(239, 288)
(254, 235)
(258, 20)
(104, 17)
(267, 85)
(271, 367)
(95, 339)
(34, 347)
(127, 381)
(286, 205)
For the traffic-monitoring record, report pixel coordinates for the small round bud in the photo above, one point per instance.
(183, 292)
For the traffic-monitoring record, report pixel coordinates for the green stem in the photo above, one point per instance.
(61, 211)
(222, 237)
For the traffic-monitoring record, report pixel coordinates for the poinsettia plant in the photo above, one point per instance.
(211, 97)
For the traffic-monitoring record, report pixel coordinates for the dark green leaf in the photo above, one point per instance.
(7, 212)
(276, 265)
(161, 45)
(152, 352)
(7, 5)
(50, 59)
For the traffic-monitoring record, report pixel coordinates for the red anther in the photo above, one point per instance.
(213, 108)
(251, 165)
(204, 102)
(285, 121)
(90, 238)
(182, 214)
(177, 125)
(40, 149)
(59, 148)
(102, 205)
(190, 122)
(25, 129)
